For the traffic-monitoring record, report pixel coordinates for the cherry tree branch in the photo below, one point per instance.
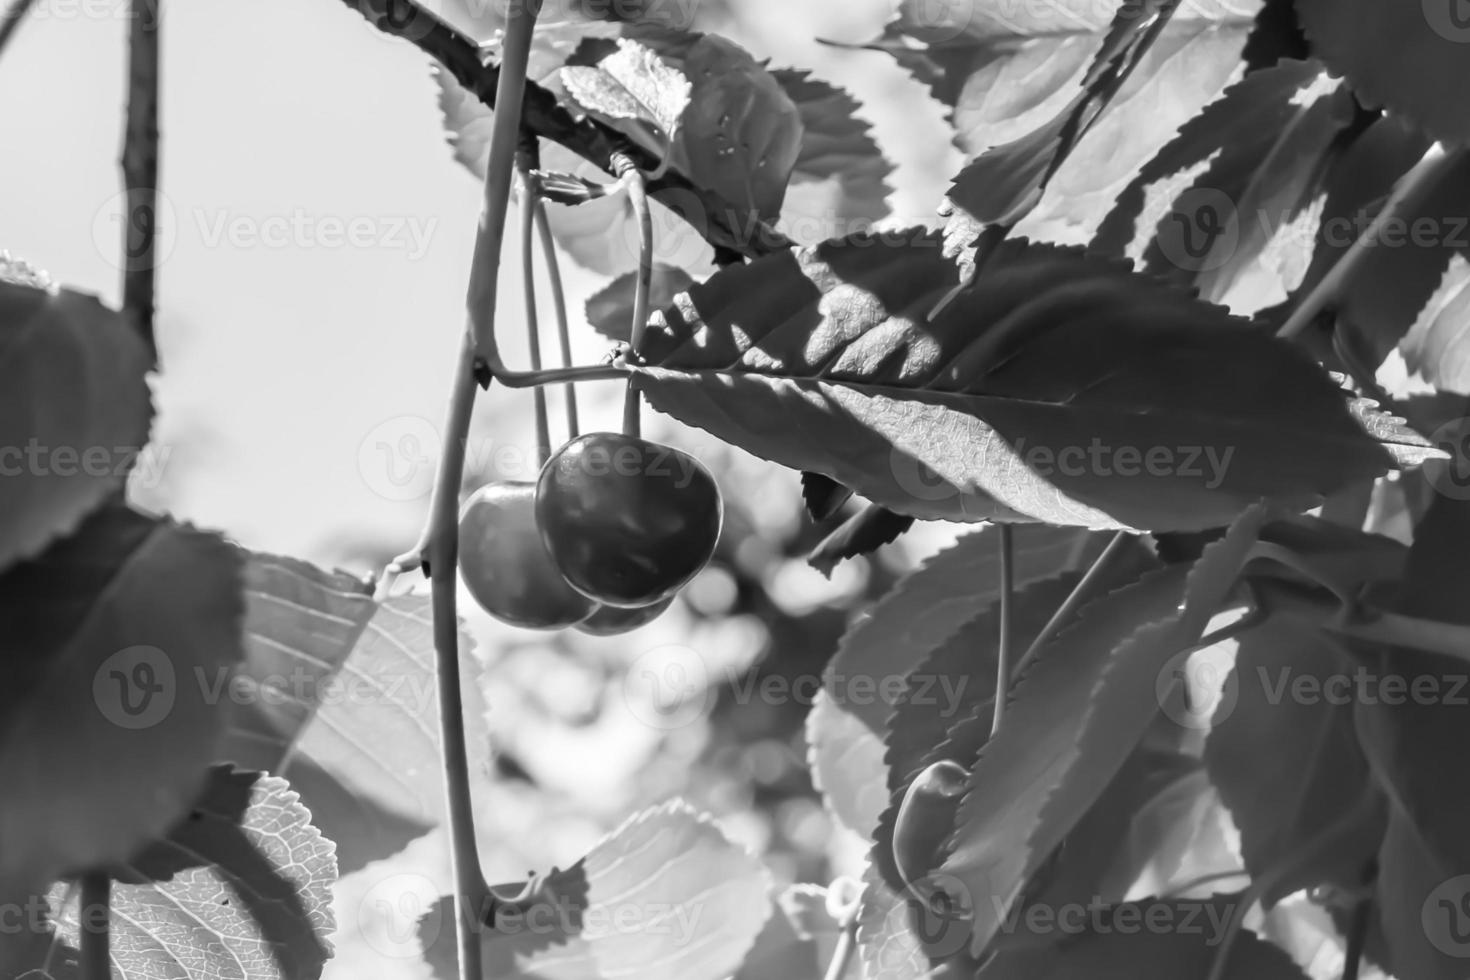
(140, 168)
(10, 20)
(93, 916)
(719, 222)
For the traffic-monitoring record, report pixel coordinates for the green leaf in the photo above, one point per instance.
(1233, 231)
(1414, 737)
(861, 534)
(1152, 938)
(242, 887)
(1435, 345)
(631, 83)
(1408, 57)
(1283, 753)
(74, 408)
(610, 310)
(864, 680)
(742, 132)
(1076, 715)
(665, 896)
(840, 179)
(105, 635)
(337, 694)
(825, 359)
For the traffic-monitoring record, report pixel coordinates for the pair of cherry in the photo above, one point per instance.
(612, 529)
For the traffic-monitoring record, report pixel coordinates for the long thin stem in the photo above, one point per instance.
(846, 942)
(1408, 192)
(505, 136)
(470, 889)
(1003, 670)
(140, 168)
(10, 21)
(93, 914)
(1082, 593)
(559, 305)
(529, 201)
(1357, 937)
(638, 197)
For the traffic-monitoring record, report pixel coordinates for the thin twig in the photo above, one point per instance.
(712, 216)
(470, 889)
(529, 201)
(96, 957)
(638, 197)
(1357, 937)
(1408, 192)
(846, 941)
(140, 169)
(10, 21)
(1081, 594)
(559, 305)
(1003, 671)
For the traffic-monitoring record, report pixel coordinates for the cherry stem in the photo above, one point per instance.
(94, 925)
(846, 941)
(1080, 595)
(524, 166)
(470, 889)
(559, 304)
(1003, 668)
(1408, 192)
(505, 134)
(1357, 937)
(632, 178)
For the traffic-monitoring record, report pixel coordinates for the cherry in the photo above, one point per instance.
(926, 817)
(505, 566)
(628, 522)
(612, 620)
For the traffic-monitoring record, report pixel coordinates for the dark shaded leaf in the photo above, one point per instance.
(610, 309)
(834, 367)
(104, 637)
(823, 496)
(74, 408)
(862, 533)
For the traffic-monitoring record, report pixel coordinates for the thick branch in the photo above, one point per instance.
(718, 221)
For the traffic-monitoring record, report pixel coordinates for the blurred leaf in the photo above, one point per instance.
(1409, 57)
(864, 680)
(665, 896)
(631, 83)
(74, 408)
(1152, 938)
(824, 359)
(610, 310)
(861, 534)
(1275, 37)
(1076, 715)
(1286, 760)
(241, 887)
(108, 636)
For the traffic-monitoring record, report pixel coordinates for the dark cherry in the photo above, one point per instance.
(505, 565)
(612, 620)
(628, 522)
